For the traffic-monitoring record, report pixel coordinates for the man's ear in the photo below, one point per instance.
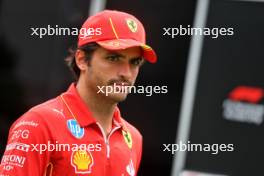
(80, 60)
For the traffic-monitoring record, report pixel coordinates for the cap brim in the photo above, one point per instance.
(119, 44)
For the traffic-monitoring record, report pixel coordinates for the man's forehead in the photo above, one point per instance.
(131, 52)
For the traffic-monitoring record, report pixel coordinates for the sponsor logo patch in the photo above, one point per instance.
(75, 128)
(26, 123)
(13, 160)
(127, 138)
(82, 161)
(24, 134)
(18, 146)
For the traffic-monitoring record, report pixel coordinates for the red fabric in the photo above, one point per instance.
(53, 122)
(115, 30)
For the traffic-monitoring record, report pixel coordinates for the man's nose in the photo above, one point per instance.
(125, 70)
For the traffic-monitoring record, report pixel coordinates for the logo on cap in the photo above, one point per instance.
(112, 43)
(75, 128)
(132, 25)
(127, 138)
(82, 161)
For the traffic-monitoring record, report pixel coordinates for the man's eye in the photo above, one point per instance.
(112, 58)
(137, 61)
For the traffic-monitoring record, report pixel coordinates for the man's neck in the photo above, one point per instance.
(101, 108)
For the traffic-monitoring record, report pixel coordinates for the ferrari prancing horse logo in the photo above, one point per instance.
(127, 138)
(132, 25)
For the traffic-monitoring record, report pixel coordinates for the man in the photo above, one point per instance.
(81, 132)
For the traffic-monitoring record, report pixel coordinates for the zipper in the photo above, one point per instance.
(106, 139)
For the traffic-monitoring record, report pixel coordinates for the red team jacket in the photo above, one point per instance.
(61, 138)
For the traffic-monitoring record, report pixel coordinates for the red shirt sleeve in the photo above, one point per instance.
(25, 154)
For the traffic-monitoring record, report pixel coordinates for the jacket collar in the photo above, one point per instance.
(80, 112)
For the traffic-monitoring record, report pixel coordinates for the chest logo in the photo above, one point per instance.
(82, 161)
(75, 128)
(130, 168)
(127, 138)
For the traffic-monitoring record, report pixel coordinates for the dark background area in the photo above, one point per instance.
(33, 69)
(229, 62)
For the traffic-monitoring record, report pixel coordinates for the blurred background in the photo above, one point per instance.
(33, 71)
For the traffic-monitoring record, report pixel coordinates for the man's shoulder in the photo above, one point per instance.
(47, 106)
(40, 113)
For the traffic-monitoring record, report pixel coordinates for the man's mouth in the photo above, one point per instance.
(122, 84)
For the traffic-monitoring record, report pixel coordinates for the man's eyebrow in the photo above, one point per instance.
(137, 57)
(123, 56)
(115, 53)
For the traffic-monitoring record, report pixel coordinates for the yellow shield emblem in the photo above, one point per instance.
(127, 138)
(82, 161)
(132, 25)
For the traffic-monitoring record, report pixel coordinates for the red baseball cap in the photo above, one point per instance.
(115, 30)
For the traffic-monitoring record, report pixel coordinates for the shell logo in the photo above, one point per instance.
(82, 161)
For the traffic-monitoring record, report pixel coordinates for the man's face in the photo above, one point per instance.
(113, 70)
